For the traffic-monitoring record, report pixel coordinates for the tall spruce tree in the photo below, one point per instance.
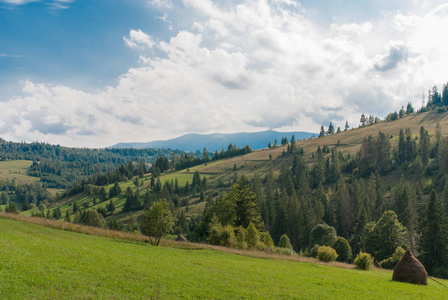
(434, 240)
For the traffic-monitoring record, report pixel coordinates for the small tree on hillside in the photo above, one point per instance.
(322, 131)
(157, 221)
(343, 249)
(284, 242)
(324, 235)
(386, 235)
(252, 236)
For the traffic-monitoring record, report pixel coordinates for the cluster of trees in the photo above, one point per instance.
(30, 195)
(61, 167)
(331, 129)
(347, 194)
(366, 121)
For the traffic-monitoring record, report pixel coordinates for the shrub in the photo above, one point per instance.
(284, 242)
(228, 236)
(323, 234)
(364, 261)
(313, 250)
(343, 249)
(267, 241)
(326, 253)
(394, 259)
(285, 251)
(222, 236)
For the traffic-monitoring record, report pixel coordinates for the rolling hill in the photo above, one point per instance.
(216, 141)
(259, 162)
(40, 262)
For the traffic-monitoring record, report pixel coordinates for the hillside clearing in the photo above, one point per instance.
(16, 169)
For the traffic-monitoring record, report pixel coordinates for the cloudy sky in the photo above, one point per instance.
(95, 73)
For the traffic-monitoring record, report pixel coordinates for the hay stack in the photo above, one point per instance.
(181, 238)
(409, 269)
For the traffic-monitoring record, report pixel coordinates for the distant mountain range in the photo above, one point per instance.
(216, 141)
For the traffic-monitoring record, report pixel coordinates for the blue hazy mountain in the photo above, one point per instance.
(216, 141)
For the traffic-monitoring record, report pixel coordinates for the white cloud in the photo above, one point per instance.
(56, 4)
(248, 67)
(138, 39)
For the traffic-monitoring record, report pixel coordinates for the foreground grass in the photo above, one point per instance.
(41, 262)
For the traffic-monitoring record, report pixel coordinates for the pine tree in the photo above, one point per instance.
(67, 216)
(330, 128)
(252, 236)
(322, 131)
(363, 120)
(434, 240)
(424, 146)
(346, 126)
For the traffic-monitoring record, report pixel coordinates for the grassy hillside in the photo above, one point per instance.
(40, 262)
(16, 169)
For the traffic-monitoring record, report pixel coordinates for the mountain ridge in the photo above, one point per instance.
(216, 141)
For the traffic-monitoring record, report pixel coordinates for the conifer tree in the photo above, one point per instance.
(330, 128)
(434, 240)
(322, 131)
(252, 236)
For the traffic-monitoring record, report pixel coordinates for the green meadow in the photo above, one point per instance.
(38, 262)
(18, 170)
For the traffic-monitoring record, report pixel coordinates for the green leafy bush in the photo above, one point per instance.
(364, 261)
(267, 241)
(392, 261)
(343, 249)
(285, 251)
(326, 253)
(313, 250)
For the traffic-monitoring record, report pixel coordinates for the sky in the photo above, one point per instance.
(93, 73)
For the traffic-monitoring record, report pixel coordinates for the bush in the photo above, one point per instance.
(284, 251)
(228, 236)
(267, 241)
(392, 261)
(323, 234)
(284, 242)
(343, 249)
(364, 261)
(222, 236)
(313, 250)
(326, 253)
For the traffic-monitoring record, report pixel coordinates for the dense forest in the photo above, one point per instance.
(62, 167)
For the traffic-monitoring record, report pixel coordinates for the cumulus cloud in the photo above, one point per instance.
(247, 67)
(396, 53)
(138, 39)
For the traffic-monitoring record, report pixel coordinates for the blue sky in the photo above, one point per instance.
(95, 73)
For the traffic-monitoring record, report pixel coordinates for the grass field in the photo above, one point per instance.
(40, 262)
(16, 169)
